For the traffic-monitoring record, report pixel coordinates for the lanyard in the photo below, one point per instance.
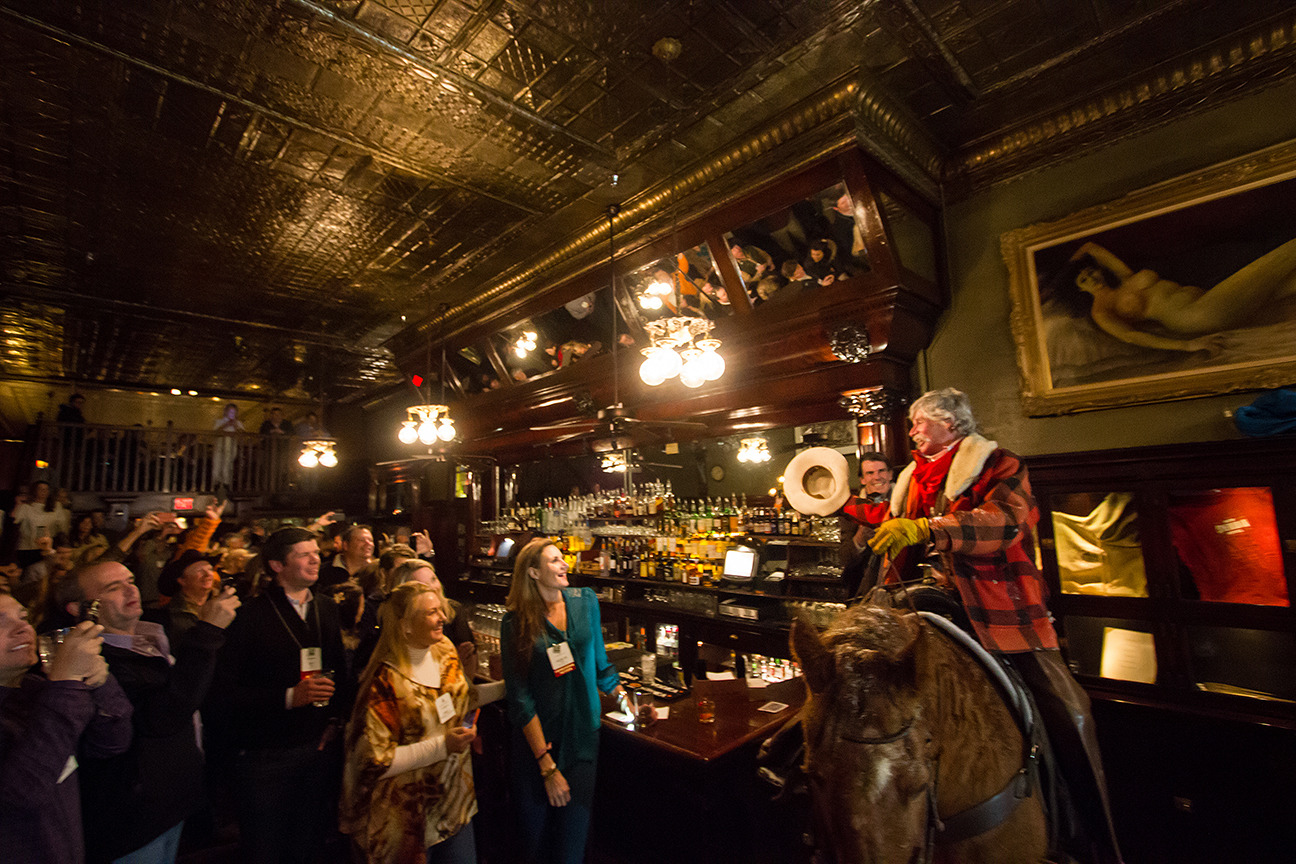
(319, 633)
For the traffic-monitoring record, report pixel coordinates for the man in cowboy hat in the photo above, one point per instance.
(188, 581)
(970, 501)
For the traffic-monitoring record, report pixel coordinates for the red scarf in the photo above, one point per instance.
(928, 478)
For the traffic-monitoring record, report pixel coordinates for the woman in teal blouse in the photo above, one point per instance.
(554, 666)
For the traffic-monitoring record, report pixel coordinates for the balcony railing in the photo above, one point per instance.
(126, 459)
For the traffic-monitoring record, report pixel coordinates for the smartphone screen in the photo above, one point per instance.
(470, 720)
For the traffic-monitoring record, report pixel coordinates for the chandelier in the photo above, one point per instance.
(427, 424)
(677, 350)
(676, 347)
(525, 343)
(615, 462)
(754, 450)
(318, 451)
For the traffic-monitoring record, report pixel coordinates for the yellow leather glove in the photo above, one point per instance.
(895, 534)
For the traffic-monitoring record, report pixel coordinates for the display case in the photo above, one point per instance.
(1171, 570)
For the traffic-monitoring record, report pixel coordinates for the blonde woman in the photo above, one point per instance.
(407, 789)
(554, 659)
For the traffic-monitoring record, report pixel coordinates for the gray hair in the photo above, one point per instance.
(946, 405)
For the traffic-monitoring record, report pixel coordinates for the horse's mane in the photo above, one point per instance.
(873, 628)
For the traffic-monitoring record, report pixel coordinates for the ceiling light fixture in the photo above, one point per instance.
(428, 423)
(754, 450)
(674, 350)
(525, 343)
(317, 452)
(320, 449)
(615, 462)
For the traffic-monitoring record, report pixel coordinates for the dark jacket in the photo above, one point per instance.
(262, 659)
(130, 799)
(42, 723)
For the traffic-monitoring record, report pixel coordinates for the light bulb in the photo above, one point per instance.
(328, 459)
(520, 351)
(652, 303)
(427, 432)
(408, 433)
(692, 374)
(670, 361)
(308, 459)
(446, 430)
(713, 365)
(742, 456)
(660, 288)
(650, 373)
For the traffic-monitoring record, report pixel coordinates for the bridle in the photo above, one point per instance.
(979, 818)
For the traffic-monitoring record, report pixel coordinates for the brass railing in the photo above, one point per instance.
(124, 459)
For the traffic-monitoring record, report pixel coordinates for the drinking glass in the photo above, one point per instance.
(323, 673)
(705, 709)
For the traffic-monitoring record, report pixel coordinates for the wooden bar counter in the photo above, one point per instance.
(738, 720)
(682, 790)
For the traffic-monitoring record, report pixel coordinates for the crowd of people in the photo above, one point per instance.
(307, 684)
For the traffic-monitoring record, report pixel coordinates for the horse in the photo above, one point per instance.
(905, 733)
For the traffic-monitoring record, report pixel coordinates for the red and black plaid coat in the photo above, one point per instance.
(985, 535)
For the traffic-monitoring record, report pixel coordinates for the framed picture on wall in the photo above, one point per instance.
(1178, 290)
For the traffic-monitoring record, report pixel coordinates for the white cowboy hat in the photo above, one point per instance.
(817, 482)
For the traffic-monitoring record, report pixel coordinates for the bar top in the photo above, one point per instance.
(737, 722)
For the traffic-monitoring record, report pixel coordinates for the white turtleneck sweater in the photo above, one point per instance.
(425, 669)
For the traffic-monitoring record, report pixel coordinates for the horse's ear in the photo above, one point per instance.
(815, 658)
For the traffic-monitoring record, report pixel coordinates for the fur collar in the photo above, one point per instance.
(969, 461)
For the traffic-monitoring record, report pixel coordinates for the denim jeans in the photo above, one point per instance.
(162, 850)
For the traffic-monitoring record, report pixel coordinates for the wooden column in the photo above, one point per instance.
(880, 419)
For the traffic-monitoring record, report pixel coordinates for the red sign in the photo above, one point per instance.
(182, 503)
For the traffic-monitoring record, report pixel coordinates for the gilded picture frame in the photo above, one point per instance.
(1139, 323)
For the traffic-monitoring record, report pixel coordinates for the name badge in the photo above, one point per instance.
(312, 660)
(445, 708)
(560, 658)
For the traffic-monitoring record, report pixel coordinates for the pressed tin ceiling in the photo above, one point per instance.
(255, 197)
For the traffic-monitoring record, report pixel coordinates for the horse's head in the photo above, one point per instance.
(867, 741)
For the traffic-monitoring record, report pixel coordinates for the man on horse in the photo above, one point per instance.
(969, 501)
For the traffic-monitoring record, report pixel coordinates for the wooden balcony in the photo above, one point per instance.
(126, 460)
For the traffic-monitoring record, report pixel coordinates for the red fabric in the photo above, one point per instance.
(866, 513)
(1229, 540)
(929, 477)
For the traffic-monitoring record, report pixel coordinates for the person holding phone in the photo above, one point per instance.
(46, 719)
(410, 730)
(136, 803)
(554, 666)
